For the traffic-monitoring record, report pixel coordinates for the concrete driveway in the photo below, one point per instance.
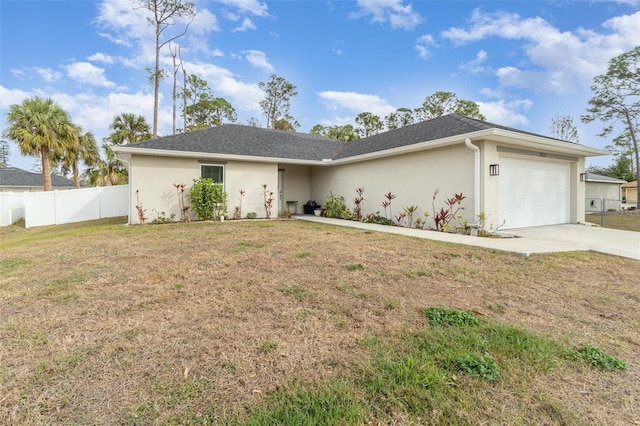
(555, 238)
(539, 239)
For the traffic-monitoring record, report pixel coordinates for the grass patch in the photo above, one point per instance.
(443, 316)
(332, 404)
(303, 254)
(296, 291)
(8, 265)
(597, 358)
(244, 246)
(355, 267)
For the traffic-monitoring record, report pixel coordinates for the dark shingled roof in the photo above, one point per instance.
(234, 139)
(425, 131)
(12, 176)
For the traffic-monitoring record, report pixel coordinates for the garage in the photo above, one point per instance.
(533, 192)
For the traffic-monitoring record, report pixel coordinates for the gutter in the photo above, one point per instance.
(476, 177)
(128, 162)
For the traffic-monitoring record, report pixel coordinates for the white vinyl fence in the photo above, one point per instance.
(65, 206)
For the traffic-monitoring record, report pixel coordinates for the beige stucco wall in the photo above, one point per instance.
(154, 178)
(413, 178)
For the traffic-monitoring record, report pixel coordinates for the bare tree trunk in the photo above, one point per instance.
(184, 96)
(174, 93)
(637, 155)
(156, 85)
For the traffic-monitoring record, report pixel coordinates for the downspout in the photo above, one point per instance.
(128, 163)
(476, 177)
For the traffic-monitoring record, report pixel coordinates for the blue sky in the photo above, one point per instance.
(523, 62)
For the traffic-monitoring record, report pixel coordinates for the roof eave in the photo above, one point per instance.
(127, 151)
(537, 142)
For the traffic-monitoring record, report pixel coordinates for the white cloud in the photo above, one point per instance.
(204, 23)
(247, 24)
(506, 113)
(422, 45)
(473, 66)
(355, 102)
(252, 7)
(244, 96)
(395, 12)
(19, 74)
(84, 72)
(10, 97)
(101, 57)
(558, 60)
(258, 59)
(123, 23)
(48, 75)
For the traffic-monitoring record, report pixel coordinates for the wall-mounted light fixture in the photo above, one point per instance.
(494, 170)
(583, 177)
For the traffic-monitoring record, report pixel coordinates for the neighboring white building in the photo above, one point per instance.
(602, 192)
(516, 177)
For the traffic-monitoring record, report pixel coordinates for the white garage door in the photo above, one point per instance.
(533, 192)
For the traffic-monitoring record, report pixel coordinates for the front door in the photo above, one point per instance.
(281, 205)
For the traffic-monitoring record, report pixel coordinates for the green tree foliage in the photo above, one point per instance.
(164, 14)
(623, 147)
(283, 124)
(562, 128)
(277, 101)
(346, 133)
(442, 103)
(620, 169)
(128, 128)
(203, 110)
(370, 124)
(400, 118)
(106, 172)
(41, 129)
(85, 151)
(616, 98)
(208, 199)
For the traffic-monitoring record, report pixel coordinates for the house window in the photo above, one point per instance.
(213, 172)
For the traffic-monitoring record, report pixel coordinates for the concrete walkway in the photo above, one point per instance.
(525, 241)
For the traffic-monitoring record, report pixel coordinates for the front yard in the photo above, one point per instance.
(285, 321)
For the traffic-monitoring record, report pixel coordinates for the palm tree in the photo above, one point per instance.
(85, 150)
(106, 172)
(41, 129)
(129, 128)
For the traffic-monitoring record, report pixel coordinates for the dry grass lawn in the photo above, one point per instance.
(102, 323)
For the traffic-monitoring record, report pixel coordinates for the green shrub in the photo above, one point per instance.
(444, 316)
(336, 208)
(208, 199)
(597, 358)
(378, 219)
(479, 366)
